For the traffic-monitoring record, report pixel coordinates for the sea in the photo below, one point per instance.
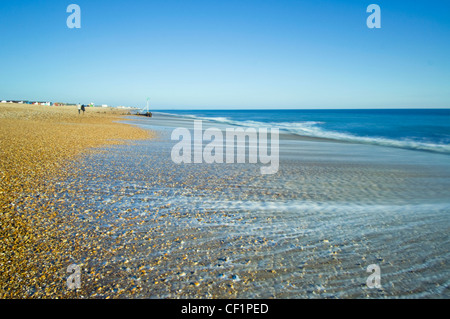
(359, 208)
(419, 129)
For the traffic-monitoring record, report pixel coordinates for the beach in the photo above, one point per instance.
(141, 226)
(36, 142)
(237, 156)
(309, 231)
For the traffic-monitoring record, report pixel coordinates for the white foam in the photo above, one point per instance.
(302, 205)
(312, 129)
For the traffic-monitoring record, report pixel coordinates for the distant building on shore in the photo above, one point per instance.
(46, 103)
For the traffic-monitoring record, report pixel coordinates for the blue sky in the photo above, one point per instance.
(228, 54)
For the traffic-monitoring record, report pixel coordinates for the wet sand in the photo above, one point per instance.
(141, 226)
(36, 143)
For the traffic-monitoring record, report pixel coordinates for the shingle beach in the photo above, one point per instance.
(36, 145)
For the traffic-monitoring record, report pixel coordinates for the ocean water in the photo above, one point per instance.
(421, 129)
(340, 202)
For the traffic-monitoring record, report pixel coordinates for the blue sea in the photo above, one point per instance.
(420, 129)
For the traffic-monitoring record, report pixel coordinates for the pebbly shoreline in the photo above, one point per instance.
(37, 145)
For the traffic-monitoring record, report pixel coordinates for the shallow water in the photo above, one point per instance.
(224, 230)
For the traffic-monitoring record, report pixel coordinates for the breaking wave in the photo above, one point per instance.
(315, 129)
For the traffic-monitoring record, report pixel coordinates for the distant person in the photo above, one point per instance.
(79, 108)
(82, 108)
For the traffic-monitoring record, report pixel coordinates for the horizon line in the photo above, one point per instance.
(305, 109)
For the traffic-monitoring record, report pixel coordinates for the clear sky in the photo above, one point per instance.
(218, 54)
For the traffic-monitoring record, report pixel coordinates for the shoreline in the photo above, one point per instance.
(318, 134)
(37, 144)
(165, 230)
(141, 226)
(208, 122)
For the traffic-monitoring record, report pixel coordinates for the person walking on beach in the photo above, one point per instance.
(82, 108)
(79, 108)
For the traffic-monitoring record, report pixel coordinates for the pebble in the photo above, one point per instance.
(37, 144)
